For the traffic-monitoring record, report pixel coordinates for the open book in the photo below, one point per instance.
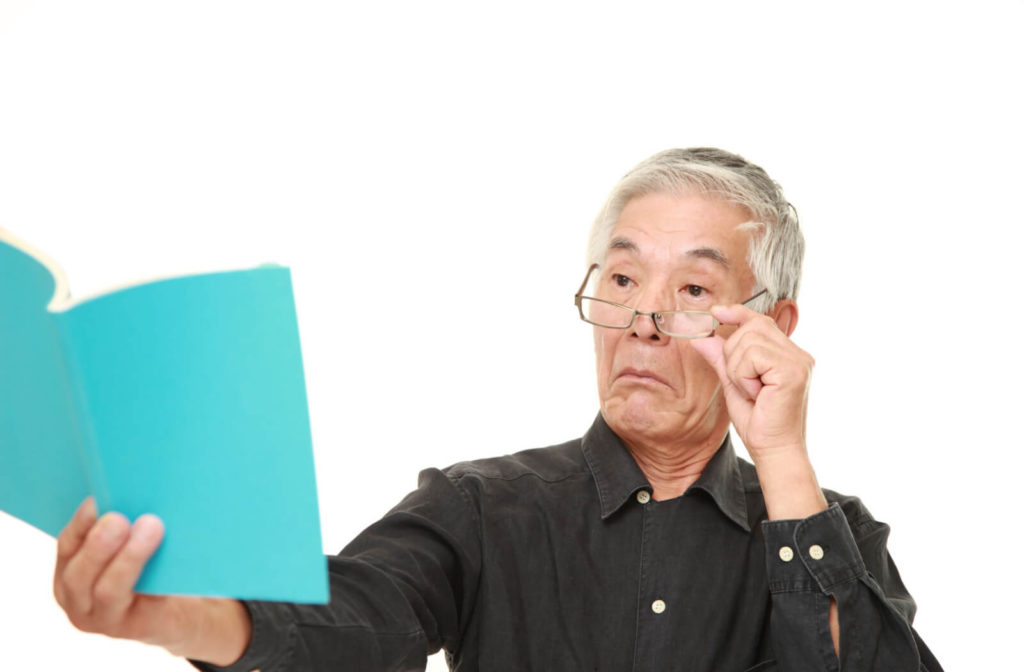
(182, 397)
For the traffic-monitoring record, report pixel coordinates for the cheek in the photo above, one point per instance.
(604, 353)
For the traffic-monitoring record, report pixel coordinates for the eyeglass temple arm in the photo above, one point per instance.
(586, 279)
(756, 296)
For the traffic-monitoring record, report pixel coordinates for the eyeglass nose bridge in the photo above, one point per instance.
(654, 315)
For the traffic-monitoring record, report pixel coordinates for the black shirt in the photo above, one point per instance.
(559, 559)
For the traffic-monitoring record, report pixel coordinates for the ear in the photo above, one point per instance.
(786, 315)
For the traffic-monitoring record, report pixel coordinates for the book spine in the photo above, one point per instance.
(85, 434)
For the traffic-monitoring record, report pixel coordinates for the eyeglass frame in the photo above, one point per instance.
(579, 306)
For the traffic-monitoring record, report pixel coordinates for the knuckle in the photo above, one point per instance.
(76, 610)
(58, 591)
(64, 590)
(105, 596)
(82, 621)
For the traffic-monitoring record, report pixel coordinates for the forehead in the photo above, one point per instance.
(666, 228)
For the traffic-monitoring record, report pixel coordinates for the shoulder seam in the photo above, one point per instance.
(496, 477)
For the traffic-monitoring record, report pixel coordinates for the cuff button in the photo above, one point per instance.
(786, 553)
(816, 552)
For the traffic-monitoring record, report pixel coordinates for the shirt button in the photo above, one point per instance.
(658, 606)
(816, 552)
(786, 553)
(643, 496)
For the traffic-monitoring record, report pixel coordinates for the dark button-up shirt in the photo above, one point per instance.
(559, 559)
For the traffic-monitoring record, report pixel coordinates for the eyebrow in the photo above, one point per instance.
(711, 253)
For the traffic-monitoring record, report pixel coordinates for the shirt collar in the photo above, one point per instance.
(618, 477)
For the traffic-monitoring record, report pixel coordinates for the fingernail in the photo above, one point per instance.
(109, 528)
(147, 529)
(87, 509)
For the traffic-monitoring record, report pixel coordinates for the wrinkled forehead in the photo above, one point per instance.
(622, 245)
(661, 229)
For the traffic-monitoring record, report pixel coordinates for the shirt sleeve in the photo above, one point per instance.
(398, 593)
(840, 553)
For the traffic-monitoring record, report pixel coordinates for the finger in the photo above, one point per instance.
(768, 353)
(70, 540)
(745, 365)
(712, 349)
(79, 576)
(112, 595)
(737, 314)
(73, 535)
(749, 336)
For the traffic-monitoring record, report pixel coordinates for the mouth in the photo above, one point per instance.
(641, 376)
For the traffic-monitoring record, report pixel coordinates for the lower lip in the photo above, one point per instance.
(633, 377)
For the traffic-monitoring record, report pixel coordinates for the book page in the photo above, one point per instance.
(42, 477)
(197, 402)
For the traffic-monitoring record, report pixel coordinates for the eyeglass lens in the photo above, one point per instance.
(675, 323)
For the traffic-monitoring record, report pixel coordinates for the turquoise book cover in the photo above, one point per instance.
(182, 397)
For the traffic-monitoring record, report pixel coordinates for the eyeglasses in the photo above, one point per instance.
(674, 323)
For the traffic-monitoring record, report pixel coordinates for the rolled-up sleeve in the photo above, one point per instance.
(825, 557)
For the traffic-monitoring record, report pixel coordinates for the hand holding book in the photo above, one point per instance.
(183, 398)
(98, 564)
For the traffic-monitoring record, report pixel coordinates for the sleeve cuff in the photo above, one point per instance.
(268, 648)
(813, 554)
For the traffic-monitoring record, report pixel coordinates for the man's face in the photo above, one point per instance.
(667, 253)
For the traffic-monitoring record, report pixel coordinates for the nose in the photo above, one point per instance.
(643, 326)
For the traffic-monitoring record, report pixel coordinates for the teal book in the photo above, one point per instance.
(183, 397)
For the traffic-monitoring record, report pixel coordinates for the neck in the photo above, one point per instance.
(671, 470)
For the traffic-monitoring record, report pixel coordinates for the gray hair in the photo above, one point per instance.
(776, 247)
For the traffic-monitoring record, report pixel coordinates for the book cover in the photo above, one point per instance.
(183, 397)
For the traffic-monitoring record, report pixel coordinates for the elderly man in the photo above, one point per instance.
(644, 545)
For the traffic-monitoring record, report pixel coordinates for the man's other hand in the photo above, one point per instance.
(98, 563)
(765, 377)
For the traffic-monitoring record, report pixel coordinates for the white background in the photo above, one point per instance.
(429, 171)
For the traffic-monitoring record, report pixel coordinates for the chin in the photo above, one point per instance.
(634, 417)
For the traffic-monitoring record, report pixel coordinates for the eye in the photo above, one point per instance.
(621, 280)
(696, 291)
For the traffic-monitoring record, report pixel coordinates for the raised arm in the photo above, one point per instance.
(828, 603)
